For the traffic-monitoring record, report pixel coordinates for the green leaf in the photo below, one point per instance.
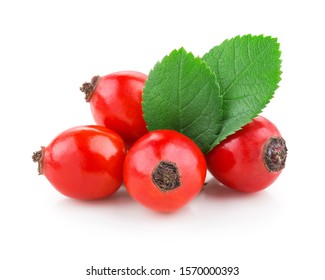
(181, 93)
(248, 71)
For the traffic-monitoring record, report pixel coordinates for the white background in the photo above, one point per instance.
(49, 48)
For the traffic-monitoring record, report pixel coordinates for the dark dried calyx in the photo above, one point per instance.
(166, 176)
(88, 88)
(38, 157)
(275, 154)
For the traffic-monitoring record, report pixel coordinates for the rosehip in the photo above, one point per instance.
(251, 159)
(115, 102)
(84, 162)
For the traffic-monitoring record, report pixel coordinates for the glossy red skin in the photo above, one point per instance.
(237, 162)
(146, 154)
(116, 104)
(85, 162)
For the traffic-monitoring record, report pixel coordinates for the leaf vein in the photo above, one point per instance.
(247, 68)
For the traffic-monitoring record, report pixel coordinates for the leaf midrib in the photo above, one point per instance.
(179, 90)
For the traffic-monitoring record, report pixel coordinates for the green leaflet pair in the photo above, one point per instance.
(210, 98)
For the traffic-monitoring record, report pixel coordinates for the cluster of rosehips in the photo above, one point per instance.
(162, 169)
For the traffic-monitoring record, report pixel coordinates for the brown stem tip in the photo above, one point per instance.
(38, 157)
(88, 88)
(166, 176)
(275, 154)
